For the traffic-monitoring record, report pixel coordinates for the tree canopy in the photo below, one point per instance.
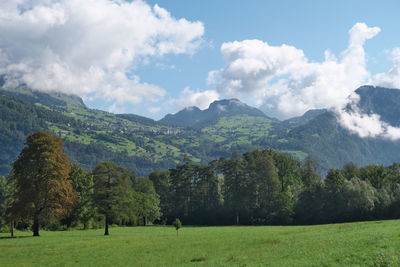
(113, 191)
(41, 172)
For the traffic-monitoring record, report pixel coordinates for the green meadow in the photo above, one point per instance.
(373, 243)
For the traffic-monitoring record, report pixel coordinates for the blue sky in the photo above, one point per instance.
(313, 26)
(133, 57)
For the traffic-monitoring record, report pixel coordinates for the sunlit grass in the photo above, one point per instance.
(352, 244)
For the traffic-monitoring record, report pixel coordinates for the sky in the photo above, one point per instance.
(157, 57)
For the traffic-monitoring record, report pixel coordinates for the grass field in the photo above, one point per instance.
(351, 244)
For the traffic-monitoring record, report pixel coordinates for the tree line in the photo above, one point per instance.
(260, 187)
(45, 190)
(270, 188)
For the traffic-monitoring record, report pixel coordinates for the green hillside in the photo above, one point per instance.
(144, 145)
(135, 142)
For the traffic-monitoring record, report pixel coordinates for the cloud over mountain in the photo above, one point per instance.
(200, 99)
(90, 48)
(392, 77)
(284, 83)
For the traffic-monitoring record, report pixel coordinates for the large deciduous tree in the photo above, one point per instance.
(147, 200)
(41, 172)
(82, 182)
(113, 191)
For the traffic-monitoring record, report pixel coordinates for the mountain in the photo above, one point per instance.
(143, 145)
(50, 99)
(189, 116)
(137, 119)
(382, 101)
(326, 140)
(194, 117)
(306, 117)
(333, 146)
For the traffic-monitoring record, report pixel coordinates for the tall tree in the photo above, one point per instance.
(335, 203)
(6, 198)
(147, 200)
(162, 184)
(113, 191)
(263, 185)
(82, 182)
(182, 186)
(41, 172)
(234, 185)
(351, 170)
(310, 177)
(207, 198)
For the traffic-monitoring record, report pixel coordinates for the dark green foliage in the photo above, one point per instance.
(245, 189)
(7, 189)
(113, 192)
(267, 187)
(84, 211)
(234, 186)
(263, 186)
(147, 201)
(122, 198)
(258, 187)
(194, 191)
(162, 185)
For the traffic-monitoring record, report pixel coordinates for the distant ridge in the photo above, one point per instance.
(194, 117)
(307, 116)
(143, 145)
(50, 99)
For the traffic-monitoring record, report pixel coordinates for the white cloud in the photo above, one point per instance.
(391, 78)
(284, 83)
(366, 125)
(154, 110)
(200, 99)
(88, 47)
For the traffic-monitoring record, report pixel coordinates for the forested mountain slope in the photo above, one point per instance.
(143, 145)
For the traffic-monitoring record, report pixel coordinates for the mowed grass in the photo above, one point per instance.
(351, 244)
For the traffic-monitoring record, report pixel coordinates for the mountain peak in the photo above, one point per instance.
(193, 116)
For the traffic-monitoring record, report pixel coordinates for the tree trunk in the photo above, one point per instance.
(12, 229)
(85, 226)
(144, 220)
(106, 231)
(35, 226)
(237, 218)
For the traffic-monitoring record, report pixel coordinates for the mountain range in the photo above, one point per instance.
(143, 145)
